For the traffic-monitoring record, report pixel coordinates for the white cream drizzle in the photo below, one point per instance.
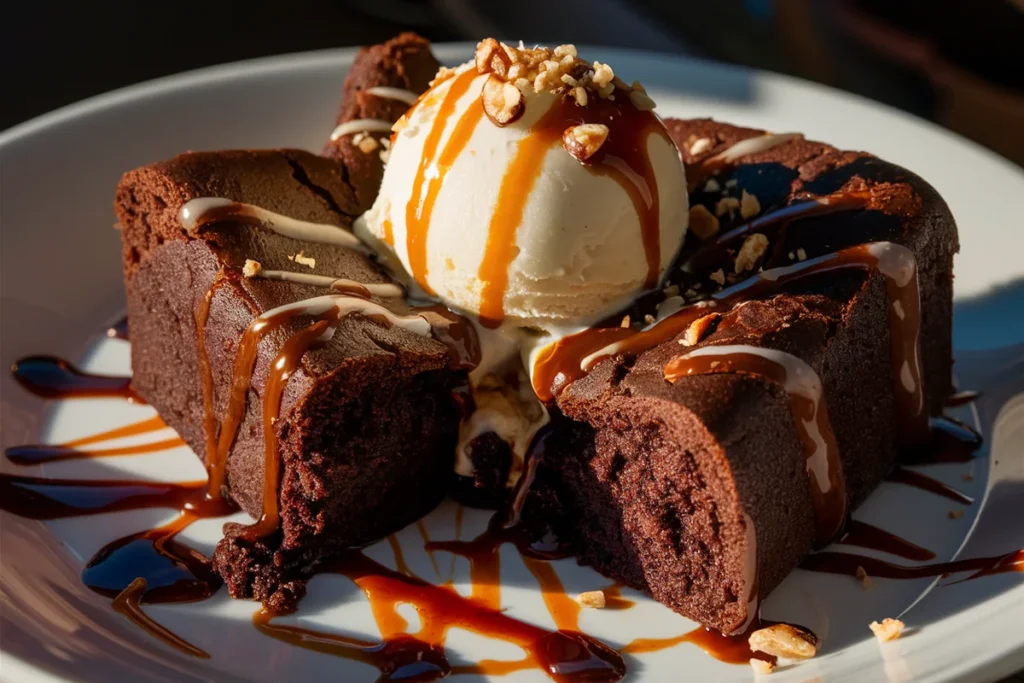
(361, 126)
(754, 145)
(346, 304)
(193, 211)
(330, 282)
(389, 93)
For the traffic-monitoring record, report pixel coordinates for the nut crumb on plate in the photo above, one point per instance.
(753, 248)
(784, 640)
(889, 629)
(727, 205)
(762, 667)
(302, 259)
(251, 268)
(591, 599)
(749, 206)
(702, 223)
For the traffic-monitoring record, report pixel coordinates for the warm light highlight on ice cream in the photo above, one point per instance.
(533, 188)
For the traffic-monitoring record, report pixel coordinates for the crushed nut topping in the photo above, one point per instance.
(865, 580)
(302, 259)
(750, 253)
(503, 102)
(699, 329)
(712, 186)
(718, 276)
(801, 255)
(584, 140)
(732, 182)
(591, 599)
(625, 321)
(761, 667)
(784, 640)
(442, 75)
(702, 223)
(727, 205)
(889, 629)
(671, 290)
(556, 71)
(251, 268)
(749, 206)
(366, 144)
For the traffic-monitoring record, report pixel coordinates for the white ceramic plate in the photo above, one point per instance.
(61, 283)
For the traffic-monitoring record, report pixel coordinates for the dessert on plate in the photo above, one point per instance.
(721, 336)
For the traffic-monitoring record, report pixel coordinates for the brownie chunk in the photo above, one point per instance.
(697, 491)
(367, 425)
(404, 62)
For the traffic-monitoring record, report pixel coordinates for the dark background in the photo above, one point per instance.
(957, 62)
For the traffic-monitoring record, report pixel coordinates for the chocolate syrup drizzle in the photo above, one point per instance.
(152, 566)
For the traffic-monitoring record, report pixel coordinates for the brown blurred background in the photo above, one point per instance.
(957, 62)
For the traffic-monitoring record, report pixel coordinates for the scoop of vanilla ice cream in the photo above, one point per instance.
(577, 251)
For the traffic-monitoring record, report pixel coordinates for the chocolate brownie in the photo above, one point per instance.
(696, 491)
(367, 426)
(404, 62)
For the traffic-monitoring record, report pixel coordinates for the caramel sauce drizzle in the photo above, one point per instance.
(128, 604)
(574, 356)
(623, 156)
(54, 378)
(810, 418)
(417, 212)
(34, 454)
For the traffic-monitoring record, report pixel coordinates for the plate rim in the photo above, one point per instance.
(1007, 661)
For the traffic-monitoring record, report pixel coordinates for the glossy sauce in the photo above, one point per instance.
(732, 649)
(39, 453)
(417, 212)
(865, 535)
(127, 603)
(810, 418)
(847, 563)
(623, 156)
(54, 378)
(901, 475)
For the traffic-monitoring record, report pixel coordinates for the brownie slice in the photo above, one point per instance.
(404, 62)
(697, 491)
(367, 425)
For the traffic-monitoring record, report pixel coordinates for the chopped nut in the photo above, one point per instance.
(732, 182)
(727, 205)
(889, 629)
(749, 206)
(712, 186)
(569, 80)
(671, 290)
(503, 102)
(486, 51)
(784, 640)
(801, 255)
(385, 143)
(591, 599)
(251, 268)
(753, 248)
(955, 514)
(367, 144)
(641, 100)
(718, 276)
(584, 140)
(792, 256)
(701, 145)
(603, 75)
(302, 259)
(565, 51)
(762, 667)
(702, 223)
(649, 319)
(699, 329)
(580, 95)
(865, 580)
(625, 321)
(605, 92)
(442, 75)
(690, 294)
